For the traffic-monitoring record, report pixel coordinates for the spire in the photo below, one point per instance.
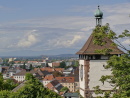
(98, 16)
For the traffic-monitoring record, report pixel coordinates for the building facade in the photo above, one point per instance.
(67, 82)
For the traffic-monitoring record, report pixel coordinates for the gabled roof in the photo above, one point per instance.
(59, 69)
(49, 77)
(89, 47)
(54, 84)
(49, 69)
(65, 79)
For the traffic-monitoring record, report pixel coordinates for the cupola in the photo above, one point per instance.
(98, 15)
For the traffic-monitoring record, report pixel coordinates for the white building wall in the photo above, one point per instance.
(19, 78)
(50, 64)
(45, 82)
(81, 82)
(95, 72)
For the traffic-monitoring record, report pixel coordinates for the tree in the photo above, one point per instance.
(29, 76)
(62, 65)
(6, 84)
(24, 66)
(76, 63)
(31, 67)
(63, 89)
(32, 89)
(120, 66)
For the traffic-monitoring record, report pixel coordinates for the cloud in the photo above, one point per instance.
(60, 32)
(126, 42)
(64, 42)
(28, 40)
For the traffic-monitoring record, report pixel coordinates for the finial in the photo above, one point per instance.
(98, 6)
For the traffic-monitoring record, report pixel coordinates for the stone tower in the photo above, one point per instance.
(91, 64)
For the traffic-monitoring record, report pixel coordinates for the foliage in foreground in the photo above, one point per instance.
(120, 66)
(32, 89)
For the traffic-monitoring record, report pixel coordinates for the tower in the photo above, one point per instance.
(91, 64)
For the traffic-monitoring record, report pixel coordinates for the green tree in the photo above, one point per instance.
(31, 67)
(64, 89)
(1, 81)
(120, 66)
(6, 84)
(62, 64)
(32, 89)
(29, 76)
(76, 63)
(24, 65)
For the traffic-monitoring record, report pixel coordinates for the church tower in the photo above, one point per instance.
(91, 64)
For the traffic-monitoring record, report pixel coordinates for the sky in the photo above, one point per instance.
(52, 27)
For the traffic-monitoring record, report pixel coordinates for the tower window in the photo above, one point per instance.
(97, 57)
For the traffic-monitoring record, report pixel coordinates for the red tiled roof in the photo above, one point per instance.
(56, 64)
(49, 69)
(49, 86)
(89, 47)
(52, 84)
(59, 69)
(49, 77)
(65, 79)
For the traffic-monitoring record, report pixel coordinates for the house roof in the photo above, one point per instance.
(49, 77)
(75, 74)
(4, 69)
(37, 73)
(23, 72)
(65, 79)
(89, 47)
(49, 69)
(59, 69)
(54, 84)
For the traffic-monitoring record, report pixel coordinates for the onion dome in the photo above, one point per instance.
(98, 13)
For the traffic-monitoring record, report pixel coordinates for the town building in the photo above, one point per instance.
(49, 69)
(47, 79)
(67, 82)
(91, 64)
(20, 77)
(54, 64)
(54, 85)
(8, 72)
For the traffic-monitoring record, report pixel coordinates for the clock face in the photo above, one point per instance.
(81, 72)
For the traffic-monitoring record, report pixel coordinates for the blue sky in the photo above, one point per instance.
(38, 27)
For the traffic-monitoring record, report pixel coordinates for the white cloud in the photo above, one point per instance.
(75, 39)
(64, 42)
(28, 40)
(127, 42)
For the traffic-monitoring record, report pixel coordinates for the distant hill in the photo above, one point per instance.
(60, 56)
